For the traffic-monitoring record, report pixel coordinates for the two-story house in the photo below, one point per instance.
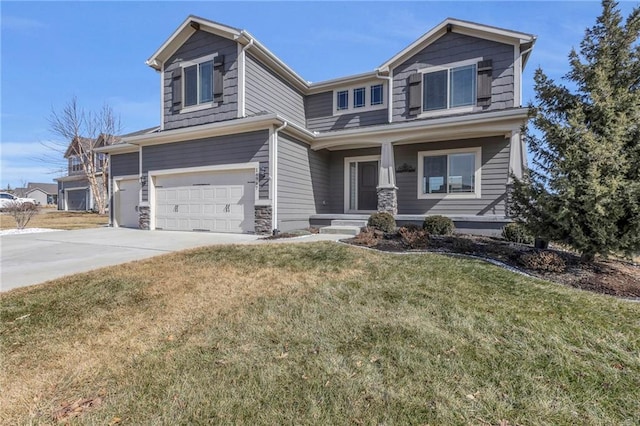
(247, 145)
(74, 190)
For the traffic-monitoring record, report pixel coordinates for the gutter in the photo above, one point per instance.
(274, 181)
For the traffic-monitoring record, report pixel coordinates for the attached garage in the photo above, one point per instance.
(216, 201)
(77, 199)
(127, 196)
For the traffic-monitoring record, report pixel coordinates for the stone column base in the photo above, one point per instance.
(144, 217)
(388, 200)
(263, 216)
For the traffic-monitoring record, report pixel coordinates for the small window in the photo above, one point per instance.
(198, 83)
(449, 88)
(455, 172)
(342, 100)
(376, 95)
(358, 97)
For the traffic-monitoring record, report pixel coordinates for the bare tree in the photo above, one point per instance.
(21, 212)
(82, 133)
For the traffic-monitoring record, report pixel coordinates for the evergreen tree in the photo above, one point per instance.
(585, 187)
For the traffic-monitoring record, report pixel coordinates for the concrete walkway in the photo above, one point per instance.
(27, 259)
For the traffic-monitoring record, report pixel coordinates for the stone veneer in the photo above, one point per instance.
(388, 200)
(144, 217)
(263, 216)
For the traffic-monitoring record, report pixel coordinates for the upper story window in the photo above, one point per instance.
(359, 99)
(198, 81)
(342, 100)
(449, 88)
(377, 95)
(75, 164)
(197, 84)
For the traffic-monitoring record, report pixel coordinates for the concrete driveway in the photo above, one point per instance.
(34, 258)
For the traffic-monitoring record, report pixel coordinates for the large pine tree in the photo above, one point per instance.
(584, 188)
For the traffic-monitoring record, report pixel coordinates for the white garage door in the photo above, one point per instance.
(127, 196)
(217, 202)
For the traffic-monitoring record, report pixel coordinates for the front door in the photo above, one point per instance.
(367, 184)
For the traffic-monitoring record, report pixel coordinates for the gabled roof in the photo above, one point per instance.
(194, 23)
(487, 32)
(88, 144)
(49, 188)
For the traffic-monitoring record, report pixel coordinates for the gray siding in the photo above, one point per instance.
(125, 164)
(200, 44)
(453, 47)
(240, 148)
(336, 173)
(267, 92)
(303, 183)
(495, 166)
(320, 118)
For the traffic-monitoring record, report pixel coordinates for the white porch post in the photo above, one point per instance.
(387, 190)
(517, 156)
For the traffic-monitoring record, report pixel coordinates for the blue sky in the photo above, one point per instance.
(52, 51)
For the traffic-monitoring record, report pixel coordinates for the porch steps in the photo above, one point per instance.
(343, 226)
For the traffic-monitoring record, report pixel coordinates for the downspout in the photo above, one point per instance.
(243, 80)
(389, 94)
(274, 181)
(162, 97)
(110, 194)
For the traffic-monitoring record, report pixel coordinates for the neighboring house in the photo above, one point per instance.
(74, 191)
(43, 193)
(247, 145)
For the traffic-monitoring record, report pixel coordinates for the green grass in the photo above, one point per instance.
(318, 334)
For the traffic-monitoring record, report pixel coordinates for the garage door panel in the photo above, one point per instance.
(223, 204)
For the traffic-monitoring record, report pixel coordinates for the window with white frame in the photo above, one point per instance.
(449, 87)
(359, 98)
(342, 100)
(451, 173)
(377, 95)
(198, 81)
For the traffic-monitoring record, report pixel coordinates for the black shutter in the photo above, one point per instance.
(414, 84)
(218, 83)
(176, 89)
(484, 82)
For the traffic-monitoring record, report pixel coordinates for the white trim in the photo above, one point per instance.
(448, 67)
(151, 185)
(449, 196)
(80, 188)
(457, 26)
(241, 84)
(346, 186)
(272, 188)
(162, 76)
(367, 98)
(199, 106)
(110, 194)
(273, 171)
(517, 76)
(140, 173)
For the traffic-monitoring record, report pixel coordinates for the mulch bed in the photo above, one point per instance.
(606, 276)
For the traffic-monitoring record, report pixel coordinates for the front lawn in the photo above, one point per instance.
(316, 334)
(56, 219)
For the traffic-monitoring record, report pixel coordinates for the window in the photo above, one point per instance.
(376, 94)
(198, 83)
(453, 173)
(342, 100)
(75, 164)
(449, 88)
(354, 99)
(358, 97)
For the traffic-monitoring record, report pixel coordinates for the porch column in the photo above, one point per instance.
(517, 156)
(387, 190)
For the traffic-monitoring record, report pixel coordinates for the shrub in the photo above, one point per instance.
(463, 245)
(516, 233)
(438, 225)
(382, 221)
(21, 212)
(542, 260)
(368, 237)
(414, 236)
